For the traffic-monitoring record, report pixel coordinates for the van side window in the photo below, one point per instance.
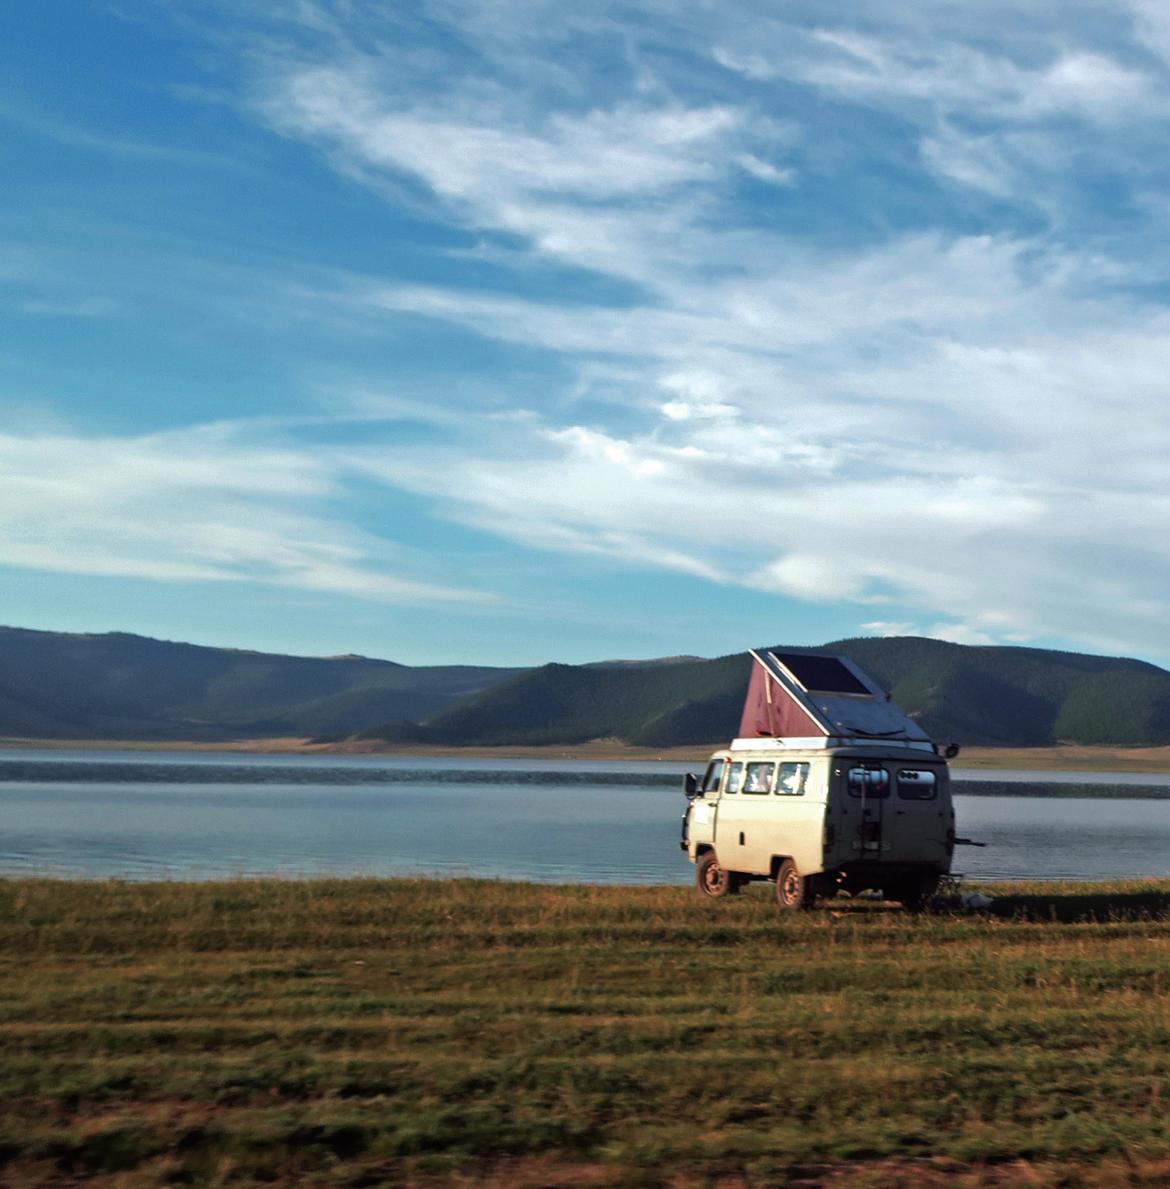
(734, 777)
(792, 779)
(917, 784)
(714, 773)
(869, 782)
(758, 778)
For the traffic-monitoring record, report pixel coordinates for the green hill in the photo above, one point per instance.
(55, 685)
(975, 695)
(651, 703)
(117, 686)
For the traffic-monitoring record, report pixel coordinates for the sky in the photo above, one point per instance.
(522, 331)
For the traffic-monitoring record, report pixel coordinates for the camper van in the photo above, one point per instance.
(829, 787)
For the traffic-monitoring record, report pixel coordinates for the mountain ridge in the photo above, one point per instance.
(976, 694)
(122, 686)
(118, 685)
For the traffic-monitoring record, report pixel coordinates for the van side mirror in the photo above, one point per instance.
(691, 786)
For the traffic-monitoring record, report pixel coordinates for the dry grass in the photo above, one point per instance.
(470, 1032)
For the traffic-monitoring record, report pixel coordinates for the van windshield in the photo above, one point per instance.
(712, 778)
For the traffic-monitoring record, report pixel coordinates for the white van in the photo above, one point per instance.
(862, 803)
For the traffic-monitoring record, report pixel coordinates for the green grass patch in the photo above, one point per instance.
(416, 1032)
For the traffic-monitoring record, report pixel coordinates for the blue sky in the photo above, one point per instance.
(529, 331)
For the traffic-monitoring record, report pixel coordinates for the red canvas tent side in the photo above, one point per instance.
(770, 710)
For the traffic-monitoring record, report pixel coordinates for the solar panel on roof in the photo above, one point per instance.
(825, 674)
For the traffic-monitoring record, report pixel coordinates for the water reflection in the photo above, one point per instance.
(588, 822)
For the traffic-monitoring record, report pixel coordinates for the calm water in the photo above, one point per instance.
(202, 816)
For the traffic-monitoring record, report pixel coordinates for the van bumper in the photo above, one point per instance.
(859, 875)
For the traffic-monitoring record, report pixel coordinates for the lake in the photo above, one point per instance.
(196, 815)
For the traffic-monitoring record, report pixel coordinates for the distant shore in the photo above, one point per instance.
(1063, 758)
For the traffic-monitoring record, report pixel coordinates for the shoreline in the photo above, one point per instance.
(1061, 758)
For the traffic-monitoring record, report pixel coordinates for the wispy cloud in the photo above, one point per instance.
(922, 419)
(33, 285)
(863, 307)
(200, 505)
(605, 189)
(113, 146)
(898, 69)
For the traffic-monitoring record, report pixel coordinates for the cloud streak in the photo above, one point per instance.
(943, 422)
(862, 309)
(200, 505)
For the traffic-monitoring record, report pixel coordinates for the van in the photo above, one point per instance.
(859, 800)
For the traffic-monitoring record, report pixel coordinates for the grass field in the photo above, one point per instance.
(362, 1032)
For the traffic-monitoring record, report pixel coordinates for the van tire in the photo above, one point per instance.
(712, 880)
(792, 891)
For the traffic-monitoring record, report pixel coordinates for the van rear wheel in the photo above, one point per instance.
(713, 879)
(792, 890)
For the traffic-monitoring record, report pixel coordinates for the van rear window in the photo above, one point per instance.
(869, 782)
(917, 784)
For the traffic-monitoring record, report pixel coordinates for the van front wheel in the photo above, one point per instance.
(714, 880)
(792, 890)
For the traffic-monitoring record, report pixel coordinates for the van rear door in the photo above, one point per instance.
(918, 814)
(858, 809)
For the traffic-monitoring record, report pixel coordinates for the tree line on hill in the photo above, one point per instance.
(118, 686)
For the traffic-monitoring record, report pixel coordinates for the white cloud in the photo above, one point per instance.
(887, 628)
(976, 161)
(1152, 25)
(601, 154)
(933, 423)
(1003, 99)
(1091, 85)
(681, 410)
(960, 633)
(765, 171)
(201, 505)
(976, 464)
(902, 66)
(857, 386)
(612, 189)
(814, 576)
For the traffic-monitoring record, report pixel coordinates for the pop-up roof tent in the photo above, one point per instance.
(804, 699)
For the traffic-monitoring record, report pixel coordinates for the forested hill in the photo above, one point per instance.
(118, 686)
(55, 685)
(975, 695)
